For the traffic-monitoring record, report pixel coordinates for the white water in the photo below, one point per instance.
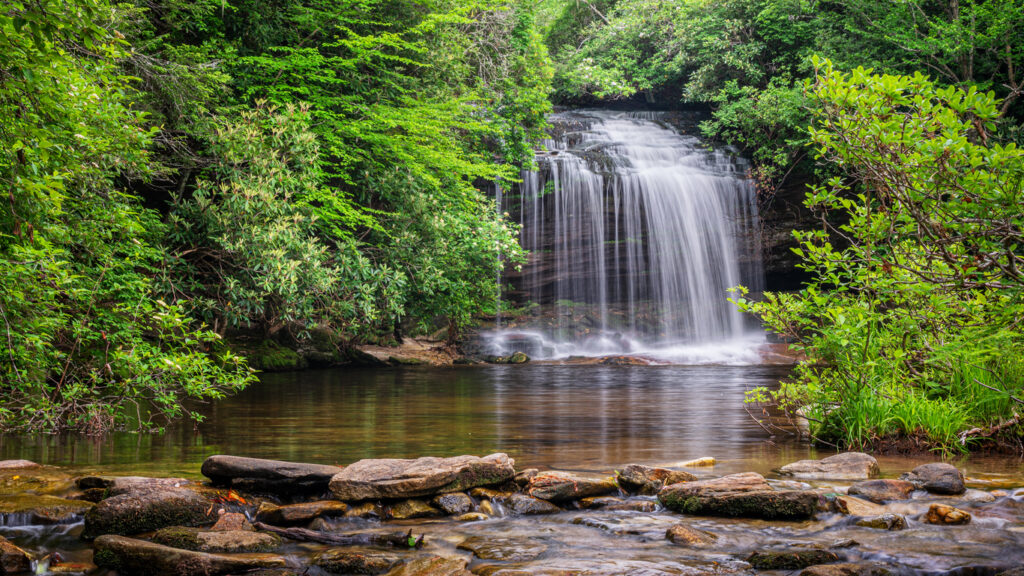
(636, 234)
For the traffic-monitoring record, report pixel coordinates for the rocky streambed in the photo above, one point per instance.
(464, 515)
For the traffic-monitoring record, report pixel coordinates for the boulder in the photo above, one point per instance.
(946, 515)
(640, 479)
(117, 485)
(13, 560)
(563, 487)
(232, 521)
(341, 561)
(302, 513)
(275, 476)
(879, 491)
(745, 482)
(503, 549)
(189, 538)
(764, 504)
(853, 506)
(845, 466)
(790, 560)
(31, 509)
(522, 478)
(17, 464)
(618, 504)
(887, 521)
(146, 511)
(412, 508)
(432, 566)
(845, 569)
(391, 478)
(687, 536)
(453, 504)
(131, 557)
(525, 505)
(937, 477)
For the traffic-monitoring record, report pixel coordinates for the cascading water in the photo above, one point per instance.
(636, 233)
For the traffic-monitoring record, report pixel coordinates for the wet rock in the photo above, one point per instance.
(562, 486)
(13, 559)
(524, 505)
(146, 511)
(765, 504)
(487, 508)
(790, 560)
(854, 506)
(302, 513)
(516, 358)
(391, 478)
(884, 522)
(1012, 572)
(745, 482)
(640, 479)
(624, 361)
(613, 504)
(845, 466)
(937, 477)
(32, 509)
(364, 510)
(131, 557)
(504, 549)
(614, 525)
(472, 517)
(117, 485)
(845, 569)
(697, 462)
(523, 478)
(978, 496)
(276, 476)
(489, 493)
(453, 504)
(189, 538)
(232, 521)
(412, 508)
(432, 566)
(17, 464)
(687, 536)
(340, 561)
(879, 491)
(946, 515)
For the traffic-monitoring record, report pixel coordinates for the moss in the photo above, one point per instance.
(769, 505)
(107, 559)
(790, 560)
(270, 356)
(178, 537)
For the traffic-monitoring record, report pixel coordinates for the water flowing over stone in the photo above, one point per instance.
(636, 233)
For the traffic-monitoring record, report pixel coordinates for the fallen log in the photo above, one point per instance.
(396, 539)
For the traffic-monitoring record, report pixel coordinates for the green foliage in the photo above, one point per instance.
(912, 322)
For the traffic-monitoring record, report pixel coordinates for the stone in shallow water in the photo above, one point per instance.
(13, 560)
(232, 521)
(647, 480)
(31, 509)
(879, 491)
(764, 504)
(524, 505)
(302, 513)
(453, 504)
(432, 566)
(189, 538)
(563, 487)
(472, 517)
(884, 522)
(131, 557)
(790, 560)
(364, 510)
(685, 535)
(341, 561)
(845, 466)
(503, 549)
(392, 478)
(268, 475)
(117, 485)
(853, 506)
(612, 504)
(845, 569)
(937, 477)
(146, 511)
(946, 515)
(408, 509)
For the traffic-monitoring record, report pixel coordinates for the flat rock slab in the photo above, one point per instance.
(647, 480)
(117, 485)
(503, 549)
(563, 487)
(524, 505)
(745, 482)
(845, 466)
(341, 561)
(32, 509)
(879, 491)
(790, 560)
(131, 557)
(146, 511)
(432, 566)
(886, 521)
(764, 504)
(376, 479)
(189, 538)
(684, 535)
(853, 506)
(302, 513)
(937, 477)
(276, 476)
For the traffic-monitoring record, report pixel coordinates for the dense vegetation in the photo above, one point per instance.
(191, 179)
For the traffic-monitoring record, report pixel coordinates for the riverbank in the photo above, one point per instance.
(465, 515)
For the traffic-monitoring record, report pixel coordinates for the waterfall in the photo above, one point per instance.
(636, 232)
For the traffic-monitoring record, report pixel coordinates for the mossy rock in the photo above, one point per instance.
(234, 541)
(270, 356)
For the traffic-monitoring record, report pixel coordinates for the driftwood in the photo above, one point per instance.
(397, 539)
(987, 432)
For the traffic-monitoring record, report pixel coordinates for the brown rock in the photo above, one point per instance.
(274, 476)
(562, 486)
(647, 480)
(232, 521)
(432, 566)
(146, 511)
(131, 557)
(946, 515)
(340, 561)
(884, 522)
(412, 508)
(364, 510)
(390, 478)
(764, 504)
(854, 506)
(790, 560)
(523, 478)
(845, 569)
(472, 517)
(882, 490)
(685, 535)
(503, 549)
(302, 513)
(188, 538)
(612, 504)
(13, 560)
(845, 466)
(745, 482)
(524, 505)
(32, 509)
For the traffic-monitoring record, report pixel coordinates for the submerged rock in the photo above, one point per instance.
(131, 557)
(879, 491)
(854, 506)
(937, 477)
(685, 535)
(341, 561)
(790, 560)
(845, 569)
(845, 466)
(302, 513)
(189, 538)
(647, 480)
(365, 510)
(392, 478)
(472, 517)
(276, 476)
(946, 515)
(146, 511)
(884, 522)
(503, 549)
(562, 486)
(453, 504)
(32, 509)
(13, 560)
(525, 505)
(697, 462)
(432, 566)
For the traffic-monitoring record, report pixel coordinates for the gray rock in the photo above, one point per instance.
(503, 549)
(879, 491)
(745, 482)
(884, 522)
(341, 561)
(647, 480)
(302, 513)
(117, 485)
(937, 477)
(189, 538)
(524, 505)
(845, 466)
(391, 478)
(453, 504)
(131, 557)
(790, 559)
(612, 504)
(148, 510)
(276, 476)
(563, 487)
